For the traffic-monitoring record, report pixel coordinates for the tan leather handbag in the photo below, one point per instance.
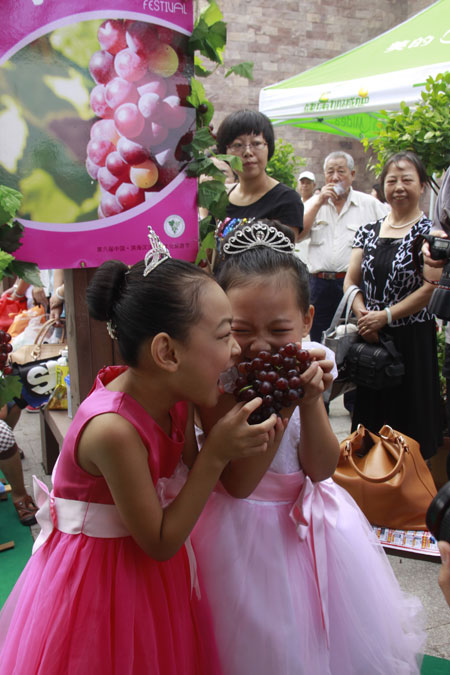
(387, 477)
(40, 350)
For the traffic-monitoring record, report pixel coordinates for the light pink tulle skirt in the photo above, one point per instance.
(298, 584)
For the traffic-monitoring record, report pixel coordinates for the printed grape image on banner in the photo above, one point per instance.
(93, 120)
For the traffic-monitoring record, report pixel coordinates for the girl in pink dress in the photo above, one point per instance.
(297, 583)
(111, 586)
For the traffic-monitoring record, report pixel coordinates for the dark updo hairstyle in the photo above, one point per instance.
(407, 156)
(138, 307)
(238, 269)
(245, 122)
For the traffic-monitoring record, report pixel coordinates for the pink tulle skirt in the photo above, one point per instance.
(298, 584)
(88, 605)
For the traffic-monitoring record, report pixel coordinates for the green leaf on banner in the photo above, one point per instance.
(14, 133)
(244, 69)
(77, 42)
(10, 236)
(43, 200)
(27, 271)
(10, 201)
(72, 89)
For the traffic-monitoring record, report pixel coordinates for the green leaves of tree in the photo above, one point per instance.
(10, 201)
(209, 35)
(423, 128)
(208, 39)
(284, 164)
(244, 69)
(10, 388)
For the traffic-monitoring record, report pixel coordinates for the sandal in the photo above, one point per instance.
(26, 510)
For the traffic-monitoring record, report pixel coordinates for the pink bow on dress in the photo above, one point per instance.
(315, 506)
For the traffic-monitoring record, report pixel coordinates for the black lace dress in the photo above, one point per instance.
(389, 275)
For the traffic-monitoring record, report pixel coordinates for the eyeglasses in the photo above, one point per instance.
(239, 148)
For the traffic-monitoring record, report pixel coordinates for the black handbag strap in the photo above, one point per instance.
(389, 345)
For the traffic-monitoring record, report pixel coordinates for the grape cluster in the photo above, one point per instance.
(273, 377)
(140, 98)
(5, 348)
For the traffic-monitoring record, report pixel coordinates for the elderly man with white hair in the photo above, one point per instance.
(330, 221)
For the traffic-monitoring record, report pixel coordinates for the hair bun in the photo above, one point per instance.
(105, 289)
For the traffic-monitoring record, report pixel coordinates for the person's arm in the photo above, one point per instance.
(375, 320)
(241, 476)
(444, 572)
(313, 205)
(18, 291)
(318, 448)
(57, 297)
(111, 446)
(353, 277)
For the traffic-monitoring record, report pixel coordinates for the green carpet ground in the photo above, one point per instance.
(13, 560)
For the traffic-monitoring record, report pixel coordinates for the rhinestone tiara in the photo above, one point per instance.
(258, 234)
(157, 254)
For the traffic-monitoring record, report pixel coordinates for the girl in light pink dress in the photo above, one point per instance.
(111, 586)
(297, 583)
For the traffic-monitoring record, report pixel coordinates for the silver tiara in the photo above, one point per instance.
(258, 234)
(157, 254)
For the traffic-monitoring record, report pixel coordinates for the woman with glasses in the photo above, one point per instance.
(249, 135)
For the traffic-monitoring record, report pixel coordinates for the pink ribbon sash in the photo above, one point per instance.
(74, 517)
(315, 506)
(101, 520)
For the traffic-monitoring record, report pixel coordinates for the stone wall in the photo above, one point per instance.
(284, 38)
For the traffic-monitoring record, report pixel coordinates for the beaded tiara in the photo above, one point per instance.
(258, 234)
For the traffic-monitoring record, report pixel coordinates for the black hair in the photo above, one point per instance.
(245, 122)
(138, 307)
(238, 269)
(410, 157)
(379, 192)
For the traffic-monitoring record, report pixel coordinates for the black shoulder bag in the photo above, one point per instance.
(375, 365)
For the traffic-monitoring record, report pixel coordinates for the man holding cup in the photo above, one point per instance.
(330, 222)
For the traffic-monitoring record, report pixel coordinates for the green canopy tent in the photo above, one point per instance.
(344, 95)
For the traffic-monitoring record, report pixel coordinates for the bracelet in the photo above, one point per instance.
(60, 297)
(389, 315)
(18, 295)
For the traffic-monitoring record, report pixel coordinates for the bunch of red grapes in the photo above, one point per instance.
(273, 377)
(140, 98)
(5, 348)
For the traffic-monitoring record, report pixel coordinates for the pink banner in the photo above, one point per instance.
(93, 120)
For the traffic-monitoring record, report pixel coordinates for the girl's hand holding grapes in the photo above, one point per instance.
(317, 377)
(232, 437)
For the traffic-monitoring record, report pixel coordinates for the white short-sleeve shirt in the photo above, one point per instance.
(332, 233)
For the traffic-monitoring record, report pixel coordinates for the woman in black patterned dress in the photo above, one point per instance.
(394, 299)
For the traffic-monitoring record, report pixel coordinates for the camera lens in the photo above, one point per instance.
(438, 515)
